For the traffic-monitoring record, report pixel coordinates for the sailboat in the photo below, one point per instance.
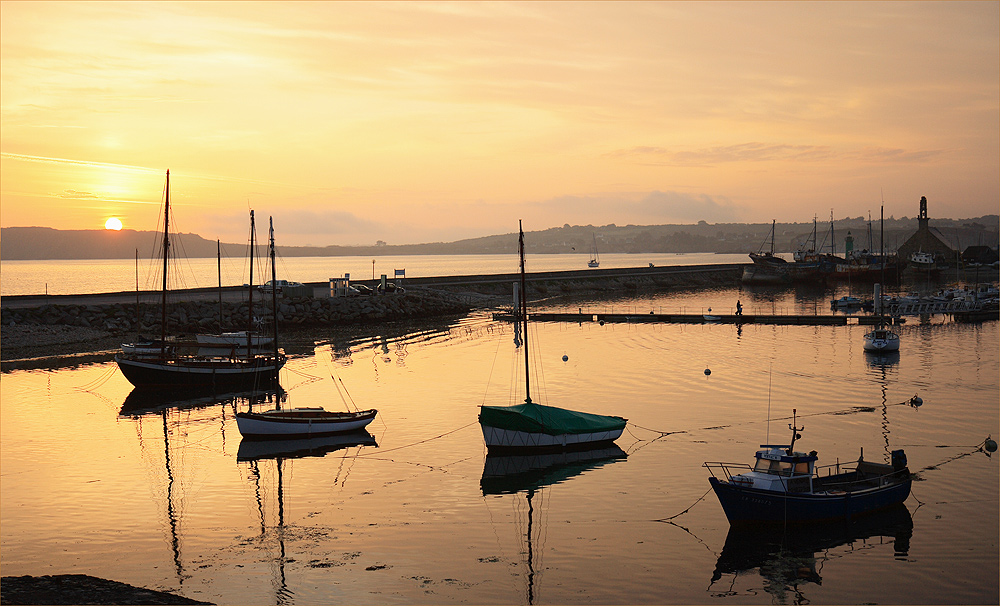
(881, 338)
(536, 426)
(595, 259)
(304, 422)
(168, 368)
(767, 268)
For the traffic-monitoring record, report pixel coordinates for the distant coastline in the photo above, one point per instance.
(44, 243)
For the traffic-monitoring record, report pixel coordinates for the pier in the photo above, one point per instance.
(637, 318)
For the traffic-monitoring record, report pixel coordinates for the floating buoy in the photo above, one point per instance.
(565, 357)
(916, 401)
(601, 322)
(708, 371)
(991, 445)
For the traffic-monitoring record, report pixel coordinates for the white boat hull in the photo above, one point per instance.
(881, 343)
(496, 437)
(287, 423)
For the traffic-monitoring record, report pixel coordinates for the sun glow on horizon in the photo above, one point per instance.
(113, 224)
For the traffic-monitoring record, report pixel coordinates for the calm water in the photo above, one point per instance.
(171, 499)
(119, 275)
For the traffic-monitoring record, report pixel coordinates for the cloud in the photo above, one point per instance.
(655, 207)
(70, 194)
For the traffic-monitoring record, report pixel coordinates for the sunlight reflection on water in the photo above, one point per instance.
(158, 498)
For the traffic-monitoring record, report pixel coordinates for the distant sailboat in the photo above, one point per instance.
(881, 338)
(535, 426)
(595, 259)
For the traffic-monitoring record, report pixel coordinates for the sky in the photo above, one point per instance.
(409, 122)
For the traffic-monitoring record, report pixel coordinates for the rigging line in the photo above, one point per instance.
(381, 452)
(349, 396)
(101, 380)
(492, 367)
(667, 520)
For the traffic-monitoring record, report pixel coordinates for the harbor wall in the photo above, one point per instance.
(201, 316)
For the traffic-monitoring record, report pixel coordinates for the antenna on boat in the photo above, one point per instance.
(795, 433)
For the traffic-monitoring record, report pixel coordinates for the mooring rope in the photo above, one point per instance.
(381, 452)
(686, 510)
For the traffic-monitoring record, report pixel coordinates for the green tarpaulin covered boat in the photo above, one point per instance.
(530, 425)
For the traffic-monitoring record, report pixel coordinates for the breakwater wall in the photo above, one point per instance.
(198, 310)
(200, 316)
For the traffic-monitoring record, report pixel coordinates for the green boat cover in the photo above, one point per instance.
(538, 418)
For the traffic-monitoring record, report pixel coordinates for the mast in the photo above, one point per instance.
(773, 221)
(274, 299)
(881, 237)
(524, 314)
(833, 241)
(166, 254)
(138, 318)
(253, 243)
(218, 250)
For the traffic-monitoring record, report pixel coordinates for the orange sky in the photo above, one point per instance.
(416, 122)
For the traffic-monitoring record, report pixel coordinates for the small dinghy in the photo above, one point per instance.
(301, 422)
(788, 486)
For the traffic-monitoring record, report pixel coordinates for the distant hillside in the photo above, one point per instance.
(44, 243)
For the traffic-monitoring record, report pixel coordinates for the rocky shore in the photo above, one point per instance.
(81, 589)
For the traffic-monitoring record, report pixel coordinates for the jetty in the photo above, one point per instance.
(681, 318)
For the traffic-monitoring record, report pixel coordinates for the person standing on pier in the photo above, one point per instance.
(739, 308)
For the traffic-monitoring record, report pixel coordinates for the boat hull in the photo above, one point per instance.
(296, 423)
(208, 374)
(499, 439)
(879, 344)
(749, 505)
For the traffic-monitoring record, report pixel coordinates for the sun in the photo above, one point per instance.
(113, 223)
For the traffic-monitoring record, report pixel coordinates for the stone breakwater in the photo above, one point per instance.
(203, 316)
(57, 329)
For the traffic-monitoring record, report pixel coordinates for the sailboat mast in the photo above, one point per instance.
(166, 255)
(881, 238)
(274, 299)
(253, 252)
(218, 252)
(524, 315)
(773, 221)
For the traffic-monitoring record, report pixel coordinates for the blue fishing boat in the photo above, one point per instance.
(787, 486)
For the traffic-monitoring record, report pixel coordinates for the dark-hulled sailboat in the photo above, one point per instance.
(170, 369)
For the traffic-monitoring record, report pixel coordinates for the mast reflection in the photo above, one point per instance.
(530, 474)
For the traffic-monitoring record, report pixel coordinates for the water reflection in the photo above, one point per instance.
(881, 360)
(530, 473)
(256, 453)
(791, 558)
(257, 450)
(140, 401)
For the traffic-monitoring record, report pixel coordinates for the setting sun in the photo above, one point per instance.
(113, 223)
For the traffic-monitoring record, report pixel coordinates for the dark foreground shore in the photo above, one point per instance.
(81, 589)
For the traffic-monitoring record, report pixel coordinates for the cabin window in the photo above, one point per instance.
(775, 467)
(802, 467)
